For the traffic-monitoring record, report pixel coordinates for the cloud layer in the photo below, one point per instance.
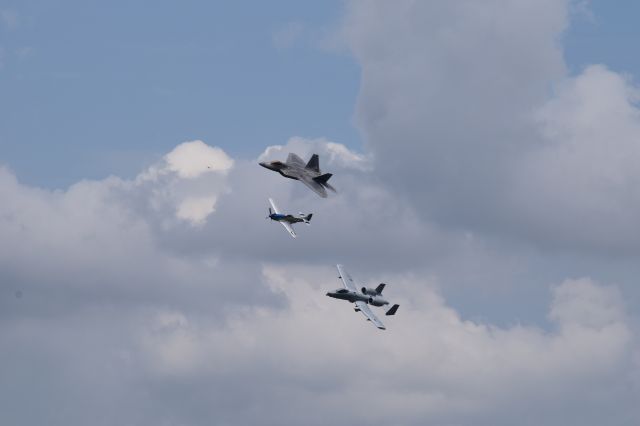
(231, 323)
(495, 197)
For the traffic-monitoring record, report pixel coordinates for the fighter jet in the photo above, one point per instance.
(287, 219)
(363, 298)
(309, 174)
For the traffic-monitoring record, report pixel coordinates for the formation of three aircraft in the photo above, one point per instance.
(311, 176)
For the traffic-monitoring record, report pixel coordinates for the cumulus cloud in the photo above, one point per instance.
(192, 159)
(579, 184)
(228, 320)
(189, 180)
(317, 361)
(477, 122)
(196, 210)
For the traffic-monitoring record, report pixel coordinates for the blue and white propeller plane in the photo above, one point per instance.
(363, 298)
(287, 220)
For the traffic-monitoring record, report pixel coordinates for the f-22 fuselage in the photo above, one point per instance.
(309, 174)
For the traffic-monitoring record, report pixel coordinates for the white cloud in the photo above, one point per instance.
(498, 140)
(580, 302)
(463, 371)
(231, 315)
(579, 185)
(192, 159)
(189, 180)
(196, 210)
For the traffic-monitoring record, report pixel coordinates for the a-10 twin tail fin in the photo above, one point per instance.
(393, 310)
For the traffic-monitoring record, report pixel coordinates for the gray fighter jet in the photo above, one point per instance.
(309, 174)
(363, 298)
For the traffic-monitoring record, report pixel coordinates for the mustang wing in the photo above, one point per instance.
(347, 281)
(364, 308)
(273, 205)
(313, 185)
(289, 228)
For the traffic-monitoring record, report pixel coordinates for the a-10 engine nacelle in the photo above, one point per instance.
(375, 298)
(369, 291)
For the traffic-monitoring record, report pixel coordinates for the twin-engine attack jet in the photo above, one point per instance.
(309, 174)
(363, 298)
(287, 219)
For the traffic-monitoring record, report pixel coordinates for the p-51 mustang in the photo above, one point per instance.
(363, 298)
(287, 219)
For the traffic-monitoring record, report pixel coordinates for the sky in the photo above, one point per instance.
(485, 158)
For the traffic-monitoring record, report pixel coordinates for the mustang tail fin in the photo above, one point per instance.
(314, 163)
(307, 218)
(393, 310)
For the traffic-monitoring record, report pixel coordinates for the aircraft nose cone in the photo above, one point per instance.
(267, 165)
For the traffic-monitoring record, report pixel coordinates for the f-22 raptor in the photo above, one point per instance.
(309, 174)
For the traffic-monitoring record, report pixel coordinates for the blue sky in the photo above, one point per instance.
(90, 88)
(93, 88)
(607, 33)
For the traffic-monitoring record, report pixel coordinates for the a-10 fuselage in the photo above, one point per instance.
(368, 296)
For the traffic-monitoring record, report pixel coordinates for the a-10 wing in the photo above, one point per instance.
(364, 308)
(347, 281)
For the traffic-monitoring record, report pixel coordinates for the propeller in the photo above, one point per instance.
(270, 213)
